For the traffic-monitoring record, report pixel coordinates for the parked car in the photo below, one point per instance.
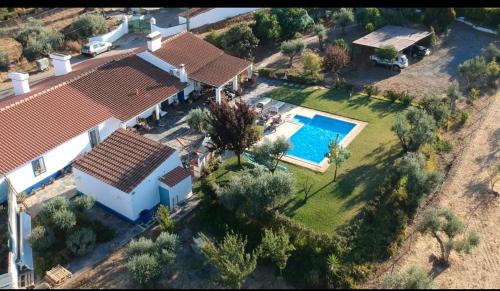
(400, 62)
(419, 51)
(94, 48)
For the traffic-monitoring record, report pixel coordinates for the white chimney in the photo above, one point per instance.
(61, 63)
(182, 74)
(20, 83)
(154, 41)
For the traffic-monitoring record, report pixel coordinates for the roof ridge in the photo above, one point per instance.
(169, 38)
(69, 81)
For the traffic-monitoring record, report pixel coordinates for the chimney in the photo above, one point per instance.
(61, 63)
(154, 41)
(20, 83)
(182, 74)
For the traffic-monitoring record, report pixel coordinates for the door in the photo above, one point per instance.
(164, 197)
(180, 96)
(94, 137)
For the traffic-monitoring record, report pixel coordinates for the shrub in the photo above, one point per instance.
(144, 268)
(335, 59)
(64, 219)
(38, 40)
(463, 116)
(88, 25)
(308, 80)
(365, 16)
(292, 21)
(52, 206)
(369, 27)
(140, 246)
(266, 72)
(166, 246)
(406, 98)
(493, 72)
(442, 145)
(414, 128)
(4, 62)
(41, 238)
(104, 233)
(341, 43)
(392, 95)
(197, 119)
(83, 203)
(311, 64)
(276, 246)
(411, 278)
(81, 241)
(240, 41)
(371, 90)
(214, 38)
(440, 110)
(163, 218)
(73, 46)
(343, 17)
(386, 53)
(473, 70)
(490, 52)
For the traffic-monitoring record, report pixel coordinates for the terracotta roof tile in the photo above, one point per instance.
(175, 176)
(37, 122)
(124, 159)
(203, 61)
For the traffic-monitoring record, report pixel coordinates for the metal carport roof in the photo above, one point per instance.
(397, 36)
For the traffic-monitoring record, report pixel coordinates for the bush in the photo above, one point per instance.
(50, 207)
(267, 72)
(144, 268)
(276, 246)
(73, 46)
(463, 116)
(64, 219)
(386, 53)
(88, 25)
(308, 80)
(292, 21)
(140, 246)
(214, 38)
(311, 64)
(104, 233)
(369, 27)
(163, 218)
(411, 278)
(266, 27)
(38, 40)
(41, 238)
(166, 246)
(371, 90)
(403, 96)
(489, 17)
(4, 62)
(392, 95)
(83, 203)
(81, 241)
(473, 70)
(197, 119)
(439, 109)
(490, 52)
(240, 41)
(341, 43)
(442, 145)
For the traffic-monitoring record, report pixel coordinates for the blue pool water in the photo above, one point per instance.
(311, 141)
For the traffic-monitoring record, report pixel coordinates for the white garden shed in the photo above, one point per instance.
(123, 173)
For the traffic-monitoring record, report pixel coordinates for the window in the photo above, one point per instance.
(38, 166)
(94, 137)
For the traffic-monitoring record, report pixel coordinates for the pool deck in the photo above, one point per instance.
(289, 127)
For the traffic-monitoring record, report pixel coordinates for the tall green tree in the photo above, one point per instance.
(232, 127)
(240, 41)
(269, 153)
(292, 49)
(343, 17)
(231, 259)
(445, 227)
(368, 15)
(414, 128)
(292, 20)
(337, 155)
(276, 246)
(266, 28)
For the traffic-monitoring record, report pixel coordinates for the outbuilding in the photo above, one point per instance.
(127, 172)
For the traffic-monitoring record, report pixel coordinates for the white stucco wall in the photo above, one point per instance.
(214, 15)
(169, 30)
(157, 62)
(180, 191)
(105, 194)
(113, 35)
(144, 196)
(23, 177)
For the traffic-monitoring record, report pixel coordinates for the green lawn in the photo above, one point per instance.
(332, 204)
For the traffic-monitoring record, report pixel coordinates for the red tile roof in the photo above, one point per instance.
(124, 159)
(175, 176)
(204, 62)
(193, 12)
(61, 108)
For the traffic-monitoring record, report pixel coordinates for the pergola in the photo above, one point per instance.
(390, 35)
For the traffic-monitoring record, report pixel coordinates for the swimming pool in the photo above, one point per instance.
(310, 142)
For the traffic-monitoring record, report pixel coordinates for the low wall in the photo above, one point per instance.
(215, 15)
(461, 19)
(113, 35)
(170, 30)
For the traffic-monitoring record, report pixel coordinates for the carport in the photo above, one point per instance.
(399, 37)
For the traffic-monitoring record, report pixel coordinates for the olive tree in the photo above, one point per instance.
(414, 128)
(320, 32)
(276, 246)
(197, 119)
(337, 155)
(473, 70)
(82, 203)
(41, 238)
(388, 52)
(292, 49)
(266, 28)
(81, 242)
(144, 268)
(445, 227)
(343, 17)
(454, 94)
(166, 246)
(231, 259)
(88, 25)
(64, 219)
(38, 40)
(412, 278)
(269, 153)
(256, 192)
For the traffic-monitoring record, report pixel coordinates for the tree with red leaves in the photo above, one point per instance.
(335, 59)
(232, 127)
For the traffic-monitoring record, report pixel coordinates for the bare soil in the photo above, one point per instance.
(466, 193)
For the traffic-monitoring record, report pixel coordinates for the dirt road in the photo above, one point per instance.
(464, 192)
